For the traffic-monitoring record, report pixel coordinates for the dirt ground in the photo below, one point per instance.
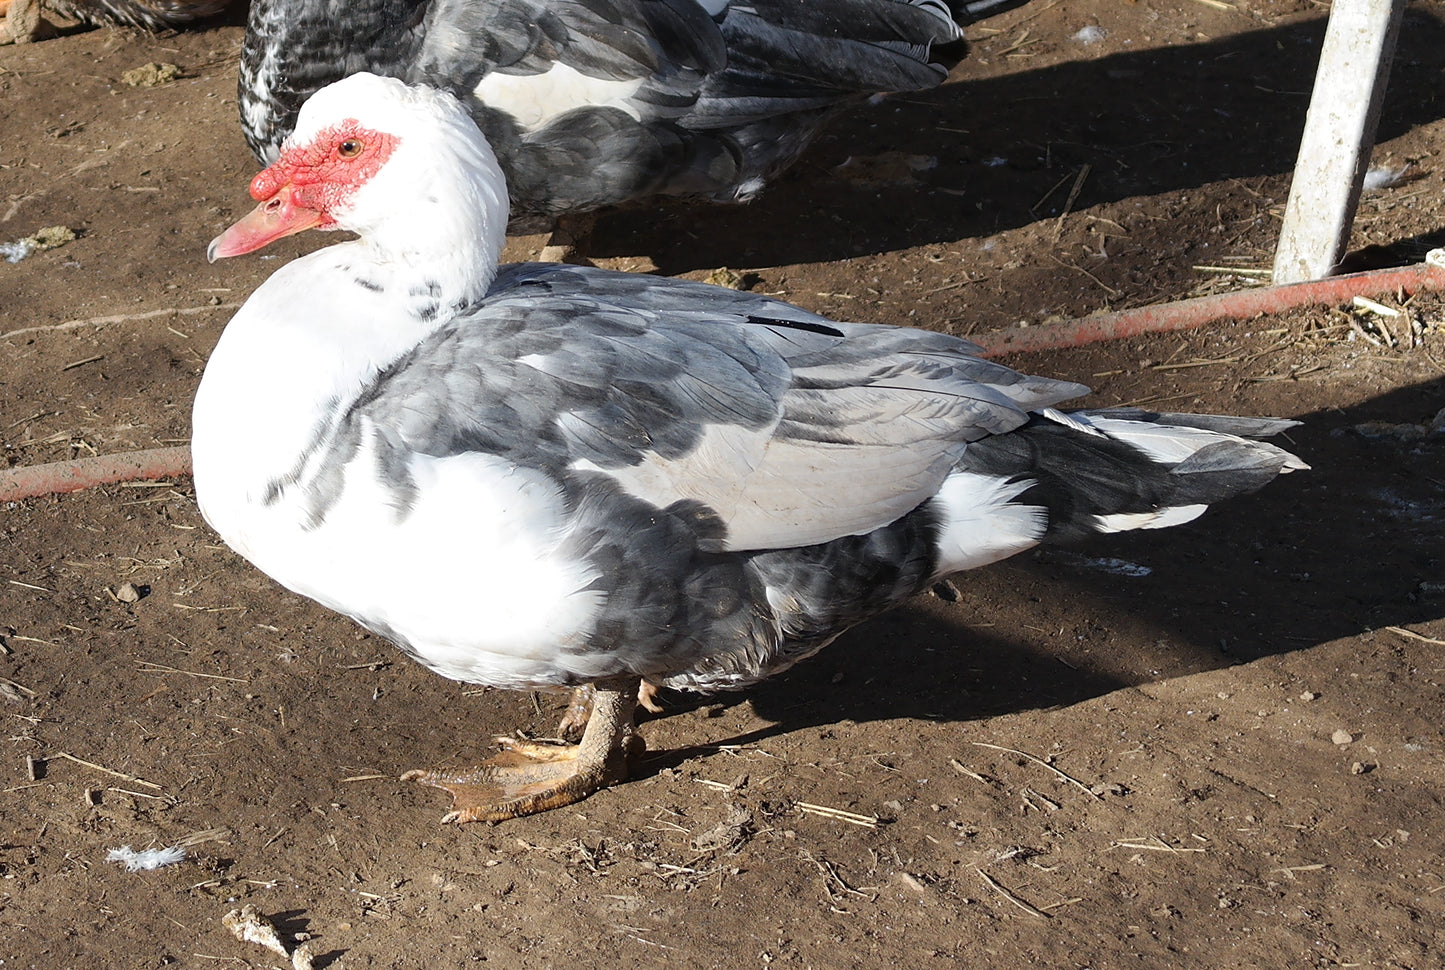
(1217, 745)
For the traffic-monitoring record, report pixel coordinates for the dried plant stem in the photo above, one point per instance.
(999, 888)
(118, 774)
(121, 318)
(867, 821)
(1044, 764)
(1411, 634)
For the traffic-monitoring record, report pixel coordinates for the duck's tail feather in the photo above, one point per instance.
(1067, 475)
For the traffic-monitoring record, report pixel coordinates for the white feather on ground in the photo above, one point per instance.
(144, 860)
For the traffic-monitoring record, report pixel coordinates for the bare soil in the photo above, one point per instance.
(1216, 745)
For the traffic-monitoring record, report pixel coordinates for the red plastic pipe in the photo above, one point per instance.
(1188, 314)
(72, 476)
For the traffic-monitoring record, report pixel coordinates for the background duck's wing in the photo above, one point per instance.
(769, 426)
(596, 102)
(581, 98)
(785, 56)
(652, 54)
(539, 56)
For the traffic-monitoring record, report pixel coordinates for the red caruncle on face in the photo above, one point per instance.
(324, 172)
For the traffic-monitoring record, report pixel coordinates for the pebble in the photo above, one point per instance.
(1342, 736)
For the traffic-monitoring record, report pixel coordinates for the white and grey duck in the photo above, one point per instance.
(550, 476)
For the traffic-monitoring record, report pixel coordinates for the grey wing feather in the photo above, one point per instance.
(791, 429)
(671, 44)
(785, 56)
(1223, 423)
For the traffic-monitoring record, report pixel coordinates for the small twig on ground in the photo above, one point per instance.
(1235, 271)
(1073, 197)
(958, 767)
(998, 887)
(20, 687)
(1158, 845)
(867, 821)
(1365, 335)
(119, 318)
(1196, 363)
(1041, 762)
(1411, 634)
(119, 774)
(1063, 902)
(1079, 269)
(155, 668)
(1045, 197)
(830, 873)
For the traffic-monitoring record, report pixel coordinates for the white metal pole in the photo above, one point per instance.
(1339, 134)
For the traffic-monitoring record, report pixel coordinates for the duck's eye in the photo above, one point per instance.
(350, 148)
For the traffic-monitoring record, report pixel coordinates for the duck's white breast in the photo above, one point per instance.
(467, 571)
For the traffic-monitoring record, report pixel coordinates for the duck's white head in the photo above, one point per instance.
(403, 166)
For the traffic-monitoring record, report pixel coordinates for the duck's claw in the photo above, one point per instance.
(528, 777)
(579, 708)
(516, 783)
(578, 713)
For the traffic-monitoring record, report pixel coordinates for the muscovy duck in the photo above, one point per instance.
(542, 475)
(594, 103)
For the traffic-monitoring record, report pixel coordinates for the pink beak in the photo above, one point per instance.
(280, 215)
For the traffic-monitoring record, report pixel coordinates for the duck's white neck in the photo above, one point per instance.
(311, 341)
(448, 237)
(316, 335)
